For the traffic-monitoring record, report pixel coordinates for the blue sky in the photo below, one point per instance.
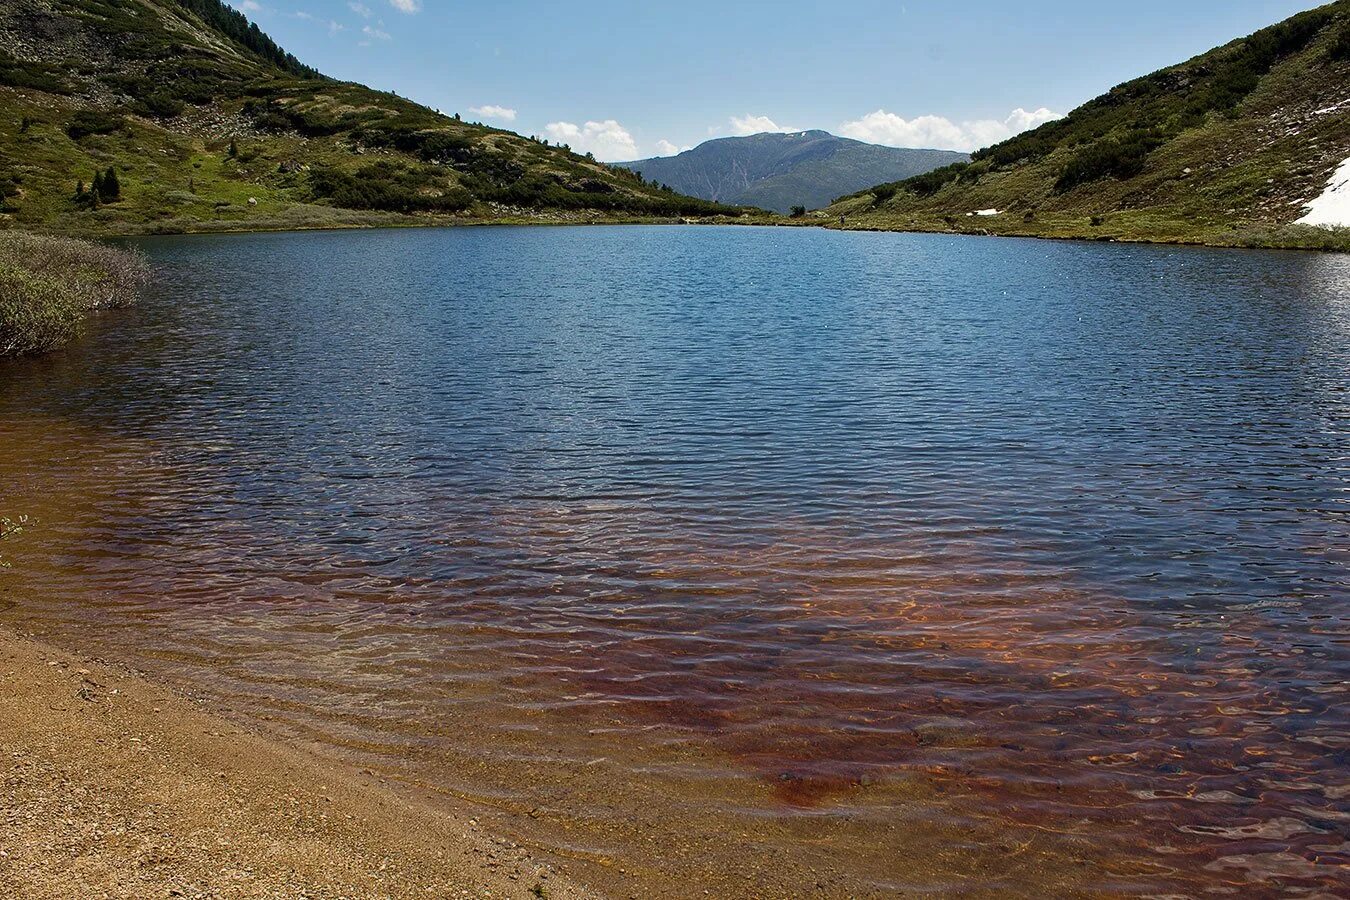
(629, 80)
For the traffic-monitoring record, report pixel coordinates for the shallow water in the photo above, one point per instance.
(777, 558)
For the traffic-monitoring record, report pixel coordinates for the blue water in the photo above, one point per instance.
(795, 497)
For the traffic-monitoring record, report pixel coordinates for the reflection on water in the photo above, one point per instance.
(871, 562)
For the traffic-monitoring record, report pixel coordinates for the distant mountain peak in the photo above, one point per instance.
(779, 170)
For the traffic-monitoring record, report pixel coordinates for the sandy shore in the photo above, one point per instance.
(111, 786)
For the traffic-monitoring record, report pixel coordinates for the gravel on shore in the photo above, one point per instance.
(113, 787)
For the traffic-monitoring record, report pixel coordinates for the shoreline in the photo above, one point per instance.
(116, 786)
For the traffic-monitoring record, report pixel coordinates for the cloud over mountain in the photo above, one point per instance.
(886, 128)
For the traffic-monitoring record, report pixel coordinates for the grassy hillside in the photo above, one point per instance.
(1226, 148)
(780, 171)
(207, 125)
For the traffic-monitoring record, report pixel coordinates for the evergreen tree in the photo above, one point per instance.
(234, 149)
(96, 186)
(112, 188)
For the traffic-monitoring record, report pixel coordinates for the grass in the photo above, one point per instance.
(48, 285)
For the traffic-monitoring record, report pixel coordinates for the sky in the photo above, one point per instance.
(628, 80)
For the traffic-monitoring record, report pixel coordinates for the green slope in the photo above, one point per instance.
(1223, 149)
(209, 125)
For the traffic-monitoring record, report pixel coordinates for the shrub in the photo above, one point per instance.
(89, 121)
(1118, 159)
(160, 105)
(22, 74)
(1340, 47)
(47, 284)
(9, 187)
(386, 186)
(37, 313)
(930, 183)
(798, 212)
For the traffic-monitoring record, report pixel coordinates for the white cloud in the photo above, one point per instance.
(377, 33)
(249, 6)
(748, 124)
(881, 127)
(406, 6)
(360, 9)
(666, 148)
(490, 111)
(608, 140)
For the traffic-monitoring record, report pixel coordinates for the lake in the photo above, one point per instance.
(747, 560)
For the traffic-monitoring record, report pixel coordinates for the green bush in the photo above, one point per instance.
(386, 186)
(930, 183)
(92, 121)
(47, 284)
(1340, 47)
(37, 313)
(22, 74)
(884, 192)
(1117, 159)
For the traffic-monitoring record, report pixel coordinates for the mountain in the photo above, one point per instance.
(780, 171)
(208, 124)
(1226, 148)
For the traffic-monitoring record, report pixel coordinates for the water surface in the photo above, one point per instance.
(749, 560)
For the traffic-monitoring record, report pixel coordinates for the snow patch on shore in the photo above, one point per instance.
(1332, 208)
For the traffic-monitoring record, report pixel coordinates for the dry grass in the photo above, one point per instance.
(48, 284)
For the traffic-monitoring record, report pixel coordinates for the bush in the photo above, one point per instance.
(160, 106)
(929, 183)
(386, 186)
(1340, 47)
(89, 121)
(37, 313)
(47, 284)
(9, 187)
(798, 212)
(21, 74)
(1118, 159)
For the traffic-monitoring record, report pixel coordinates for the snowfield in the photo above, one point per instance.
(1332, 208)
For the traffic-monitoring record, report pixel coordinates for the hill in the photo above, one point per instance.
(208, 124)
(1226, 148)
(780, 171)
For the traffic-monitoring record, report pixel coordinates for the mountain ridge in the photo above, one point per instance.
(778, 171)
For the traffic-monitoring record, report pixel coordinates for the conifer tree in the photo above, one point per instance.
(112, 188)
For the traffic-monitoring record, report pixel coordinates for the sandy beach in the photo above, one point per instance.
(114, 787)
